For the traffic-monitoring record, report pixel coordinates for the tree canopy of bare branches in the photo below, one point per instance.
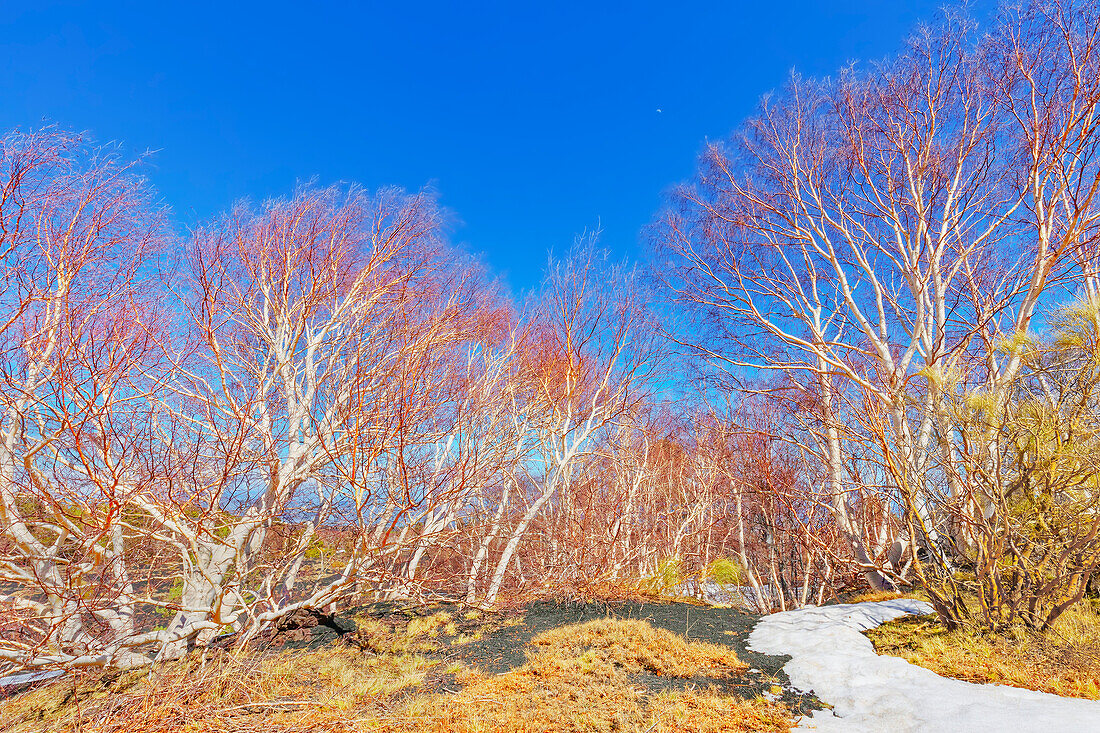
(872, 241)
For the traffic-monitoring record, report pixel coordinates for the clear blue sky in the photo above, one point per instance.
(533, 121)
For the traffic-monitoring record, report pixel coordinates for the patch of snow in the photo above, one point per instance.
(871, 693)
(28, 677)
(726, 594)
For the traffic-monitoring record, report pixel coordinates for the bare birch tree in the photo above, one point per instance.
(879, 234)
(78, 228)
(594, 352)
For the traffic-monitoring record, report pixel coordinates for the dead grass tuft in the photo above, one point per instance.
(419, 634)
(876, 596)
(398, 634)
(1065, 660)
(708, 713)
(223, 693)
(545, 695)
(342, 677)
(638, 647)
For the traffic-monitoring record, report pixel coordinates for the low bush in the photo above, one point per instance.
(1064, 659)
(725, 571)
(668, 576)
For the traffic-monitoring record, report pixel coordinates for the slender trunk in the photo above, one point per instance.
(287, 586)
(427, 539)
(483, 548)
(513, 543)
(837, 494)
(750, 575)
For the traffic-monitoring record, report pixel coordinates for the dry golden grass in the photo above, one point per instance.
(708, 713)
(426, 633)
(577, 678)
(217, 695)
(560, 696)
(1065, 660)
(418, 635)
(545, 695)
(638, 647)
(342, 677)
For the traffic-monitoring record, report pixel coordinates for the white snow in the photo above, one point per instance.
(727, 594)
(872, 693)
(27, 677)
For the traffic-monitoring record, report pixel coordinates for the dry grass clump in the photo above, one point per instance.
(546, 695)
(708, 713)
(580, 591)
(1064, 660)
(636, 647)
(420, 634)
(341, 677)
(424, 634)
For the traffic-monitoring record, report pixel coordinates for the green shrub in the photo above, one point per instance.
(724, 571)
(669, 575)
(315, 549)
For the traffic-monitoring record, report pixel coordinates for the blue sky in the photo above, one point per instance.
(533, 121)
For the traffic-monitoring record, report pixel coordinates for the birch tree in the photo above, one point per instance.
(879, 234)
(307, 316)
(79, 230)
(594, 352)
